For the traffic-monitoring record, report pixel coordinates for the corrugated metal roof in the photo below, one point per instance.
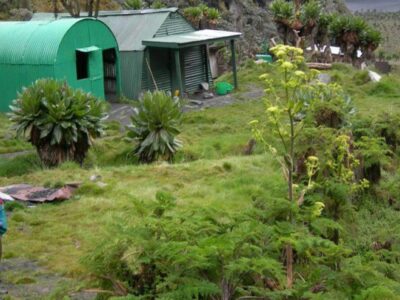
(191, 39)
(131, 30)
(40, 16)
(34, 43)
(130, 27)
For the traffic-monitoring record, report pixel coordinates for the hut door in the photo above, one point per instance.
(195, 68)
(110, 73)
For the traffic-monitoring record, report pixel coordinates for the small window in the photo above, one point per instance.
(82, 65)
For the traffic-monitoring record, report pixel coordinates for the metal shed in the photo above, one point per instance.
(155, 54)
(84, 52)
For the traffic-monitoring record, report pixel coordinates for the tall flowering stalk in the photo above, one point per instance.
(285, 105)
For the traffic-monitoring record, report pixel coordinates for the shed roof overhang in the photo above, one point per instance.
(191, 39)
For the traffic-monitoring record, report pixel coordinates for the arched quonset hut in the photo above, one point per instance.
(84, 52)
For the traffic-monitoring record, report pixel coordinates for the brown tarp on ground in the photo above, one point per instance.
(29, 193)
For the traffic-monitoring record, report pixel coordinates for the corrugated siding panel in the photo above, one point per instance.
(17, 77)
(196, 68)
(35, 42)
(174, 24)
(52, 56)
(160, 64)
(131, 64)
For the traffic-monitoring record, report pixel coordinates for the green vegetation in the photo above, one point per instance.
(59, 121)
(282, 115)
(388, 24)
(355, 34)
(134, 4)
(306, 25)
(215, 205)
(202, 16)
(8, 142)
(155, 127)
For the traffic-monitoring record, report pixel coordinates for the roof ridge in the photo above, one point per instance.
(106, 13)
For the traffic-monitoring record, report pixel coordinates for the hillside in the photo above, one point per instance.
(388, 23)
(209, 173)
(383, 5)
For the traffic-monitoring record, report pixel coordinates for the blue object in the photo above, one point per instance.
(264, 57)
(3, 220)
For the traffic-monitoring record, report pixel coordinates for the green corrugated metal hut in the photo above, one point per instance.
(84, 52)
(147, 62)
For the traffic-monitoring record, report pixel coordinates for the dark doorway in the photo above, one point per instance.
(82, 65)
(110, 74)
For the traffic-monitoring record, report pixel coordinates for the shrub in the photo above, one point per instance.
(361, 77)
(331, 106)
(59, 121)
(155, 127)
(158, 4)
(213, 15)
(282, 10)
(199, 253)
(194, 14)
(134, 4)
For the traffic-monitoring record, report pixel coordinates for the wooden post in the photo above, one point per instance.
(234, 69)
(207, 62)
(179, 71)
(147, 63)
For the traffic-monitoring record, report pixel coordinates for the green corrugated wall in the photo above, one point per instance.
(196, 68)
(161, 66)
(43, 56)
(174, 24)
(131, 66)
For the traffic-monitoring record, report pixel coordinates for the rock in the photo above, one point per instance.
(325, 78)
(208, 95)
(95, 178)
(363, 65)
(375, 77)
(251, 17)
(205, 86)
(260, 62)
(20, 14)
(383, 67)
(196, 102)
(102, 184)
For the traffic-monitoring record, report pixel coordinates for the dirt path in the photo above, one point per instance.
(25, 279)
(15, 154)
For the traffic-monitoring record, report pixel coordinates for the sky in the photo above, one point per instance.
(382, 5)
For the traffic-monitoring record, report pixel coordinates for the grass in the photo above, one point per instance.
(369, 98)
(58, 234)
(209, 170)
(8, 142)
(214, 134)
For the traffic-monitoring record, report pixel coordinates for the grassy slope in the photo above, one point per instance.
(389, 25)
(369, 98)
(210, 171)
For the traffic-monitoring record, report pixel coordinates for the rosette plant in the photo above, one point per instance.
(155, 126)
(59, 121)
